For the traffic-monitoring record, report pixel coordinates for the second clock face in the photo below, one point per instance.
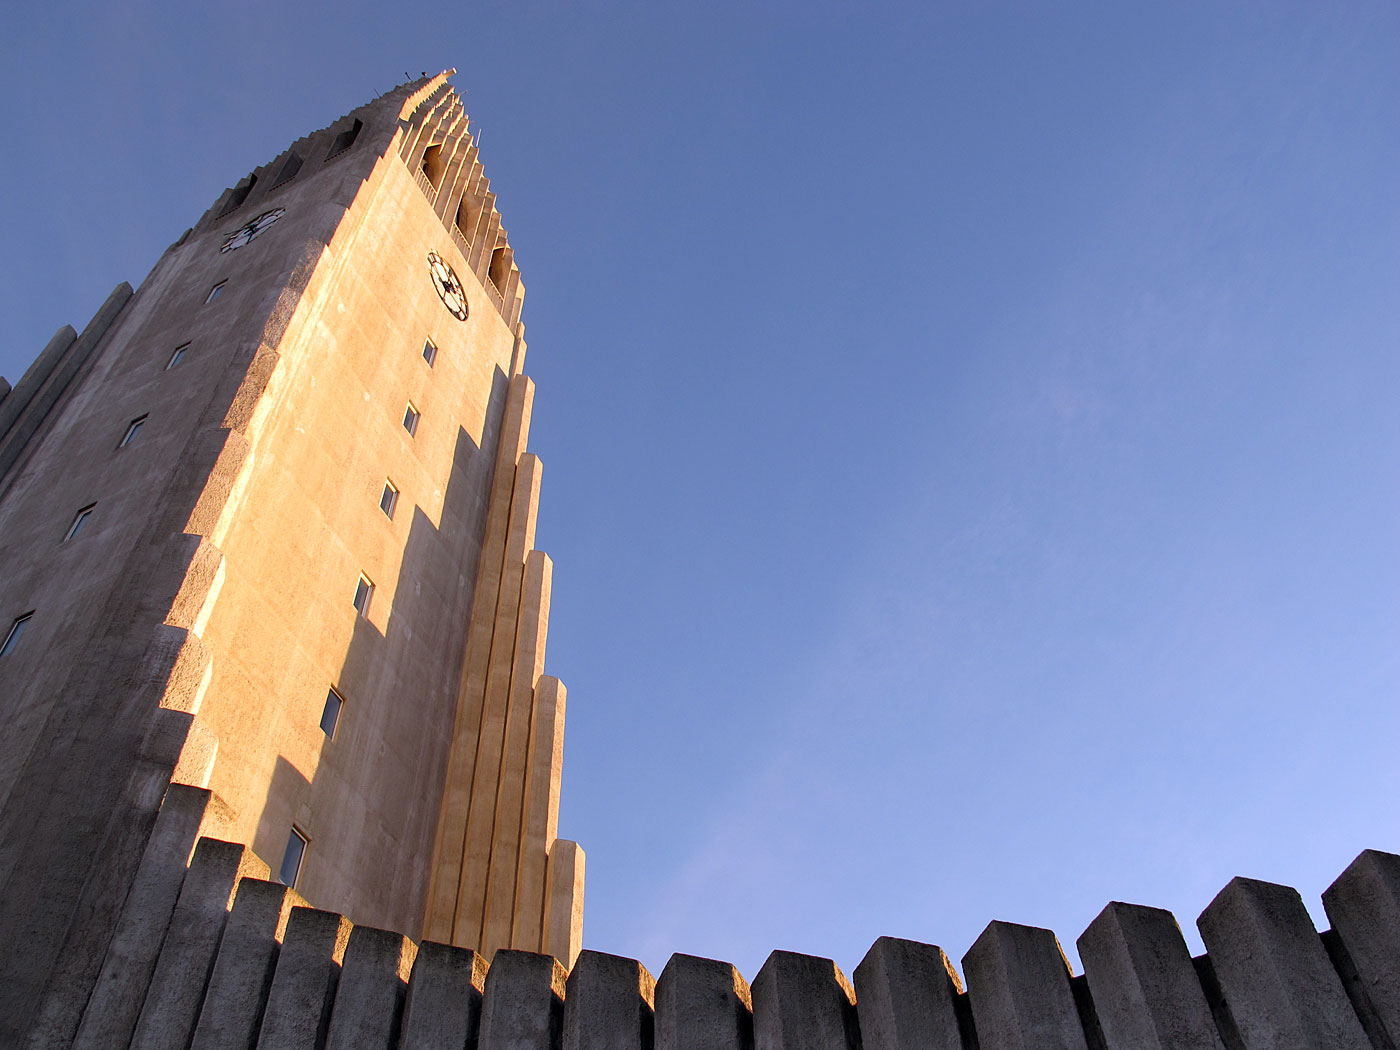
(447, 285)
(245, 233)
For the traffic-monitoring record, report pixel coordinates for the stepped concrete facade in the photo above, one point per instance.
(281, 767)
(267, 533)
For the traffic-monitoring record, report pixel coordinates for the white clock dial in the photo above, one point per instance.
(245, 233)
(449, 289)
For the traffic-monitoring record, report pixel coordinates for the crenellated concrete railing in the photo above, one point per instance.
(239, 962)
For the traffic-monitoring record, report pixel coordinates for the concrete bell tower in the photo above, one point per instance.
(267, 572)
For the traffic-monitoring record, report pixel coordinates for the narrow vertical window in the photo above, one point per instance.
(330, 714)
(429, 352)
(364, 591)
(215, 292)
(295, 853)
(410, 419)
(290, 167)
(132, 429)
(79, 520)
(345, 139)
(388, 499)
(177, 356)
(16, 629)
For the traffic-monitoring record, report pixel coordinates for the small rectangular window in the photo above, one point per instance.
(388, 499)
(79, 520)
(16, 629)
(132, 429)
(330, 714)
(429, 352)
(215, 292)
(295, 853)
(364, 591)
(177, 356)
(410, 419)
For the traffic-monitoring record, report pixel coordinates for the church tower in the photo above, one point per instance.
(267, 570)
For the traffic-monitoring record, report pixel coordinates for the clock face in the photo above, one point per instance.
(245, 233)
(449, 289)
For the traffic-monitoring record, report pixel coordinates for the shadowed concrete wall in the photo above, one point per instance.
(1269, 982)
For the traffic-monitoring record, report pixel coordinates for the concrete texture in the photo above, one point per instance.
(1364, 906)
(1146, 992)
(608, 1004)
(702, 1004)
(801, 1002)
(1019, 987)
(1282, 990)
(299, 1001)
(522, 1007)
(908, 996)
(371, 990)
(443, 1007)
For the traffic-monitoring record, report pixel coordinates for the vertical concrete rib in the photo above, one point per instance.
(1018, 983)
(906, 997)
(1364, 906)
(540, 820)
(370, 993)
(1282, 989)
(523, 1004)
(234, 1001)
(609, 1004)
(532, 626)
(1146, 991)
(702, 1004)
(469, 926)
(304, 984)
(563, 934)
(173, 1000)
(452, 819)
(443, 1008)
(802, 1002)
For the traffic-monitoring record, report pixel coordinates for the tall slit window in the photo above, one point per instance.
(13, 635)
(429, 352)
(330, 714)
(345, 139)
(215, 292)
(132, 429)
(290, 872)
(177, 356)
(290, 167)
(434, 167)
(389, 499)
(79, 521)
(364, 591)
(410, 419)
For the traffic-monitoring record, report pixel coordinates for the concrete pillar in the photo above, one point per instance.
(1364, 906)
(304, 984)
(802, 1002)
(1282, 990)
(522, 1007)
(247, 956)
(608, 1005)
(1146, 992)
(540, 821)
(563, 935)
(115, 1004)
(702, 1004)
(906, 997)
(443, 1008)
(370, 992)
(171, 1009)
(1018, 983)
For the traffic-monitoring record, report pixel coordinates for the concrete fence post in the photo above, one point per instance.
(1281, 988)
(1146, 992)
(304, 983)
(906, 997)
(443, 1007)
(370, 992)
(1364, 906)
(608, 1005)
(522, 1006)
(702, 1004)
(1018, 982)
(803, 1002)
(176, 993)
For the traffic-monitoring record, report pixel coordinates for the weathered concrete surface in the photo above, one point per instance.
(370, 993)
(236, 994)
(1364, 906)
(1146, 993)
(702, 1004)
(170, 1011)
(802, 1002)
(522, 1007)
(443, 1008)
(907, 993)
(1018, 983)
(608, 1004)
(1282, 990)
(304, 983)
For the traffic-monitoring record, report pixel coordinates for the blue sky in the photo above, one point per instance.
(969, 429)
